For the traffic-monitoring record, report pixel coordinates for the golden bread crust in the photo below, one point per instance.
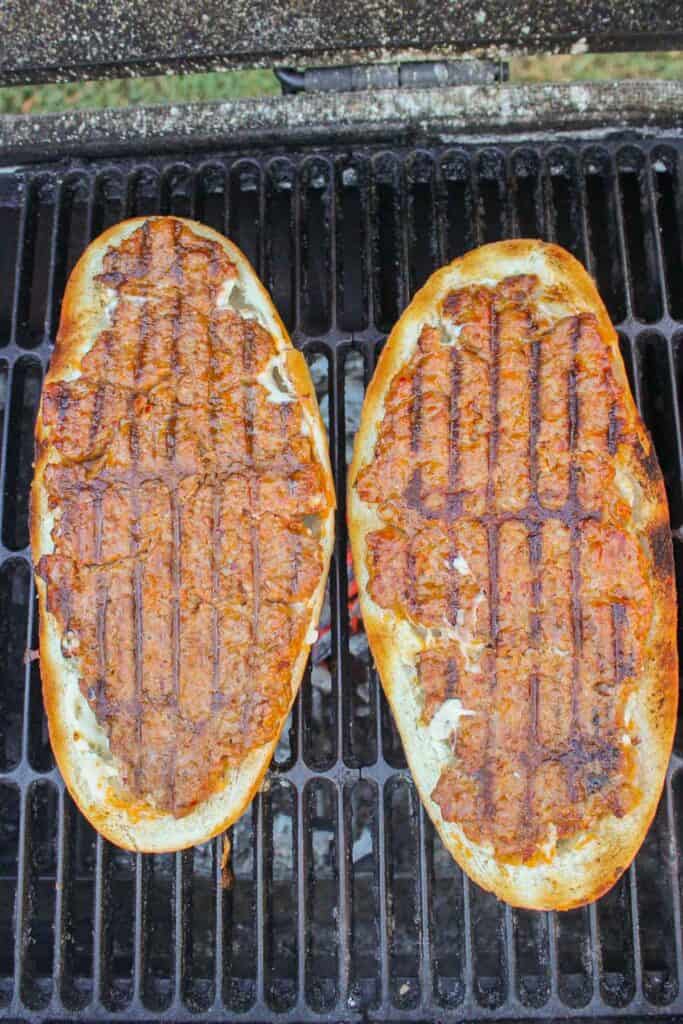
(79, 743)
(580, 868)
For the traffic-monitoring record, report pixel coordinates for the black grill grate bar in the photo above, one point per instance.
(218, 924)
(60, 882)
(595, 952)
(635, 927)
(98, 921)
(20, 905)
(426, 975)
(179, 944)
(674, 869)
(138, 930)
(52, 261)
(301, 869)
(511, 960)
(670, 334)
(21, 242)
(261, 897)
(660, 270)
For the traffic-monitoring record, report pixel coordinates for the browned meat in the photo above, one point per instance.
(183, 551)
(490, 474)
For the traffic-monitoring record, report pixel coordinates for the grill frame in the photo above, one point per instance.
(405, 168)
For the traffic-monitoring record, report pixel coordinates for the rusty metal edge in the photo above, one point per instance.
(449, 114)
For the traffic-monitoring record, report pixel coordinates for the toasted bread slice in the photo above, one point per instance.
(182, 516)
(511, 542)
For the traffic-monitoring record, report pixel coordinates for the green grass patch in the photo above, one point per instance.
(228, 85)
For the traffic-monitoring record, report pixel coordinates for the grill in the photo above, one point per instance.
(342, 904)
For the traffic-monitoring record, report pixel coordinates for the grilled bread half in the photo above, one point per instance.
(182, 517)
(511, 541)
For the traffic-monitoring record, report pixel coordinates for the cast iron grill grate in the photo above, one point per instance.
(344, 905)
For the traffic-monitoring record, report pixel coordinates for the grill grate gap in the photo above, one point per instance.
(157, 984)
(73, 233)
(670, 219)
(320, 817)
(658, 412)
(280, 896)
(119, 924)
(15, 587)
(488, 948)
(280, 240)
(387, 217)
(108, 203)
(574, 957)
(423, 254)
(199, 916)
(639, 229)
(9, 850)
(617, 981)
(38, 939)
(447, 910)
(365, 986)
(602, 230)
(352, 270)
(143, 195)
(655, 909)
(563, 202)
(361, 681)
(526, 195)
(400, 802)
(34, 286)
(12, 192)
(492, 190)
(532, 956)
(78, 897)
(459, 204)
(26, 384)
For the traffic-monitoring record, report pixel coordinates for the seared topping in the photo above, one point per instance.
(507, 545)
(183, 552)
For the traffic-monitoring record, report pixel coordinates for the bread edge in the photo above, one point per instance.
(591, 864)
(128, 825)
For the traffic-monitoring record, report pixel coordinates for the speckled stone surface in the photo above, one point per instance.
(60, 39)
(448, 115)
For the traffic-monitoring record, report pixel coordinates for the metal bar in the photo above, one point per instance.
(510, 954)
(218, 949)
(138, 930)
(426, 965)
(19, 259)
(635, 925)
(179, 924)
(301, 888)
(20, 896)
(98, 916)
(344, 904)
(260, 905)
(60, 882)
(675, 880)
(383, 896)
(467, 929)
(595, 949)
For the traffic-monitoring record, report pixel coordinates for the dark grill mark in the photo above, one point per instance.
(574, 550)
(492, 541)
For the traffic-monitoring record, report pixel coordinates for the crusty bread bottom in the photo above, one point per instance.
(79, 743)
(582, 868)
